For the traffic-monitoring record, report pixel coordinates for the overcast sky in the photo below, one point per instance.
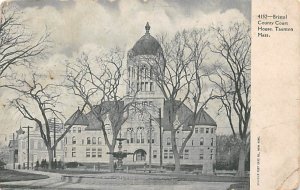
(90, 24)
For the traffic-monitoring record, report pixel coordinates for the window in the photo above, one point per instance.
(93, 152)
(66, 152)
(94, 140)
(211, 156)
(165, 153)
(137, 86)
(79, 129)
(183, 139)
(168, 141)
(154, 153)
(74, 129)
(66, 140)
(73, 140)
(201, 155)
(151, 86)
(151, 72)
(99, 141)
(73, 151)
(142, 86)
(212, 130)
(196, 130)
(88, 140)
(170, 153)
(146, 86)
(128, 71)
(152, 141)
(212, 142)
(192, 142)
(207, 130)
(82, 141)
(201, 130)
(99, 152)
(186, 154)
(201, 141)
(88, 152)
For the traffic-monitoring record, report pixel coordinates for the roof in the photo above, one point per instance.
(78, 118)
(184, 116)
(146, 45)
(103, 110)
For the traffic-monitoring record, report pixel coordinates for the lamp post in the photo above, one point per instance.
(28, 146)
(19, 132)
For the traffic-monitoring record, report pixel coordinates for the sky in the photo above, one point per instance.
(87, 25)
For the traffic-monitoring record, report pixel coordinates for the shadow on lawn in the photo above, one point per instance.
(13, 175)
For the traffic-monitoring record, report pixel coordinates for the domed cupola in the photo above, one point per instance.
(146, 45)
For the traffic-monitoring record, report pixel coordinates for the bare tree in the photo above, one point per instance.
(98, 83)
(179, 77)
(17, 44)
(233, 81)
(38, 102)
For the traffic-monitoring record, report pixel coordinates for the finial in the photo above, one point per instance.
(147, 27)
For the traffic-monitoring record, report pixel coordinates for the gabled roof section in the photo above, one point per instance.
(202, 118)
(103, 110)
(184, 116)
(78, 118)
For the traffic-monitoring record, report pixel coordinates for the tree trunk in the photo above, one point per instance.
(242, 160)
(175, 152)
(111, 159)
(50, 154)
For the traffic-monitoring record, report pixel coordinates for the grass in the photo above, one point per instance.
(12, 175)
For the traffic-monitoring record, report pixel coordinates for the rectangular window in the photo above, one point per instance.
(152, 141)
(131, 140)
(165, 153)
(93, 152)
(212, 130)
(79, 129)
(201, 130)
(196, 130)
(88, 152)
(66, 152)
(73, 152)
(142, 86)
(137, 140)
(201, 156)
(212, 142)
(207, 130)
(99, 152)
(151, 86)
(186, 154)
(211, 156)
(146, 86)
(128, 71)
(66, 140)
(137, 86)
(154, 153)
(171, 154)
(142, 140)
(74, 129)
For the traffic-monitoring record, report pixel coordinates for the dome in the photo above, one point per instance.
(146, 45)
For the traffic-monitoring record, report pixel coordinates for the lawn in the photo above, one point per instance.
(12, 175)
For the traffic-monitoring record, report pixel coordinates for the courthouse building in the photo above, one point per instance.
(85, 142)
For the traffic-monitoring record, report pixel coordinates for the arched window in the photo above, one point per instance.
(73, 140)
(94, 140)
(168, 141)
(88, 140)
(99, 141)
(201, 141)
